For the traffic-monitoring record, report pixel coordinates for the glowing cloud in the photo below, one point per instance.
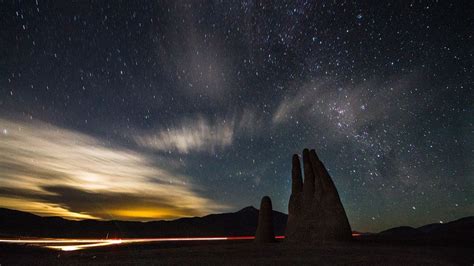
(49, 170)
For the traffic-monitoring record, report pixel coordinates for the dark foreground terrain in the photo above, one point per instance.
(434, 244)
(358, 252)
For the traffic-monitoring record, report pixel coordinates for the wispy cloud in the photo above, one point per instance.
(49, 170)
(250, 122)
(349, 107)
(197, 135)
(200, 65)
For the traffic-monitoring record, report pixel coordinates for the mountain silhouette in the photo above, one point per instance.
(241, 223)
(402, 231)
(461, 229)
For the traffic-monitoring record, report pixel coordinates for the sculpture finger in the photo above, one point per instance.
(336, 217)
(308, 185)
(296, 179)
(265, 233)
(318, 186)
(327, 185)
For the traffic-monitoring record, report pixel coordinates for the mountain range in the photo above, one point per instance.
(461, 229)
(241, 223)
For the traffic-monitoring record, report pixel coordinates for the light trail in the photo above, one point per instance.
(84, 246)
(78, 244)
(48, 240)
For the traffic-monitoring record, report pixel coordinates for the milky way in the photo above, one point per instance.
(148, 109)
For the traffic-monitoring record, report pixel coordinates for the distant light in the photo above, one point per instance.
(65, 248)
(5, 131)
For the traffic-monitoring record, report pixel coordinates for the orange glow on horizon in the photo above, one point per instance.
(145, 214)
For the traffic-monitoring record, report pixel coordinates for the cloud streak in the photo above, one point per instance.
(342, 108)
(198, 135)
(203, 135)
(49, 170)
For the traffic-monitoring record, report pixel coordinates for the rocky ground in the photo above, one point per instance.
(246, 253)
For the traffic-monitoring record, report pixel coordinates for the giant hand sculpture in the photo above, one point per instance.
(315, 212)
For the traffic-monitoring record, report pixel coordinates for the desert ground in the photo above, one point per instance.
(357, 252)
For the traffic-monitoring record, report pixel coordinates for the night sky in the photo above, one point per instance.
(145, 110)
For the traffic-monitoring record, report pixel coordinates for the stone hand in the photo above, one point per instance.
(315, 212)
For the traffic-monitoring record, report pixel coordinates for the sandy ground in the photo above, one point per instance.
(245, 253)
